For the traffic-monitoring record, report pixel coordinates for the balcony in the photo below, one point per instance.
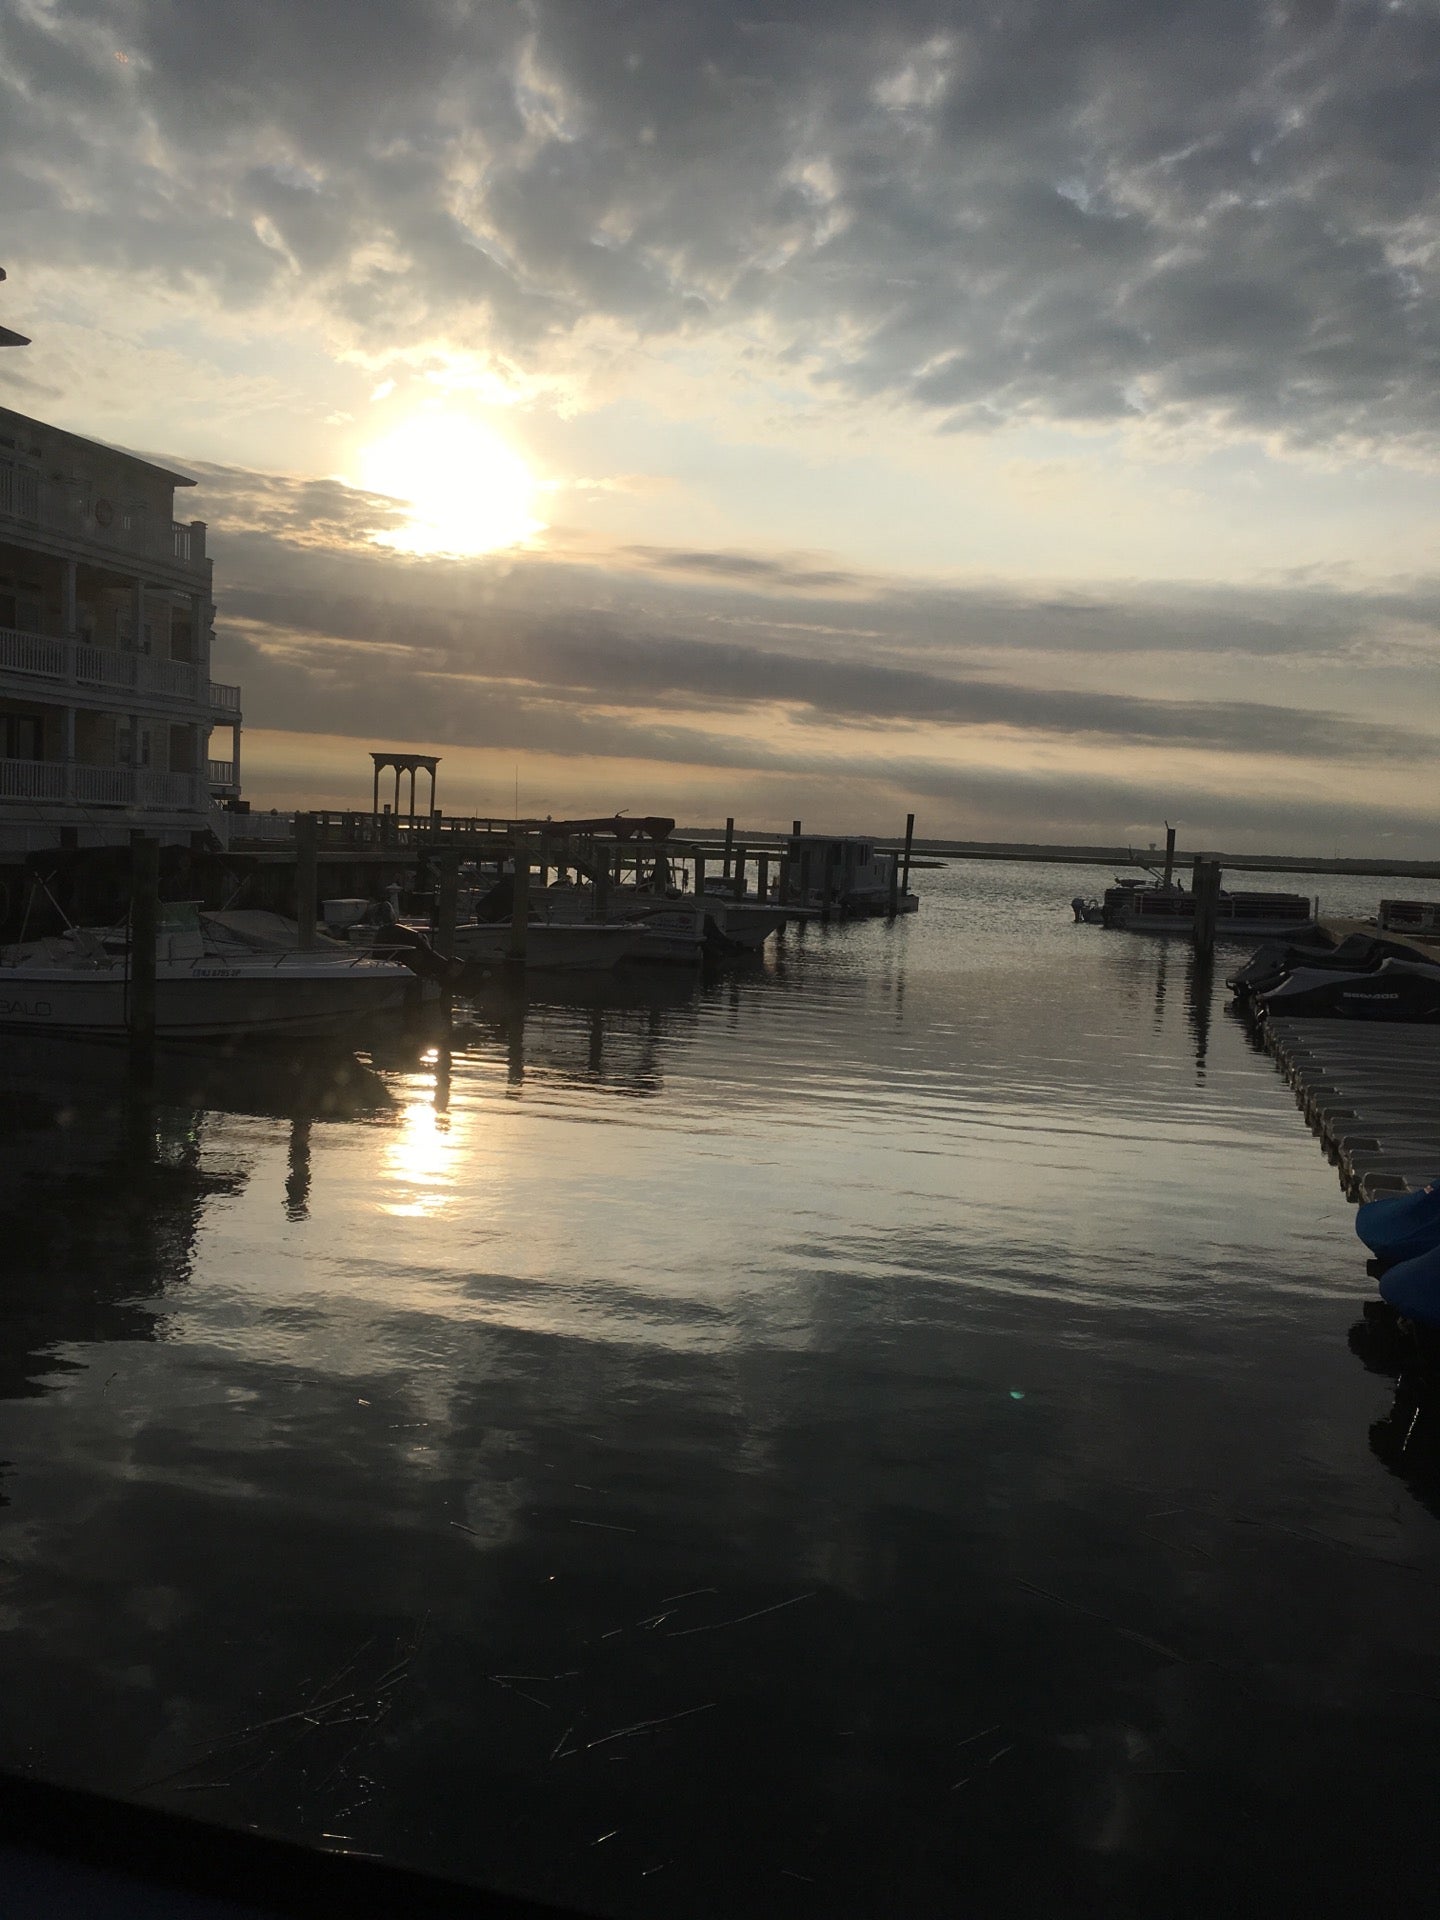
(72, 663)
(61, 507)
(221, 774)
(224, 700)
(68, 781)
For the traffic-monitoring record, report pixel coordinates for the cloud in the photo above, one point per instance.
(784, 670)
(1207, 218)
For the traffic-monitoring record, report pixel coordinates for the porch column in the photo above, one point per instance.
(69, 618)
(200, 632)
(67, 735)
(235, 753)
(137, 614)
(375, 801)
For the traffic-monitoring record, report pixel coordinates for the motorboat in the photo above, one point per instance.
(212, 982)
(570, 945)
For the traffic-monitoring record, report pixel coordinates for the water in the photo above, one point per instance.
(873, 1434)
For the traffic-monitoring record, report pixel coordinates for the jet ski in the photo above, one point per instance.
(1272, 963)
(1404, 990)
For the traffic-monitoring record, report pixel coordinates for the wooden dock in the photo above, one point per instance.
(1371, 1091)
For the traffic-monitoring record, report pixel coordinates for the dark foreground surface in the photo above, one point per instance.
(875, 1433)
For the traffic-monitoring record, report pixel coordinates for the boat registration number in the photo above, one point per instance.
(30, 1009)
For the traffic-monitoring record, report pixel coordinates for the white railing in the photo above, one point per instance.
(263, 826)
(174, 679)
(66, 508)
(43, 656)
(105, 667)
(36, 653)
(32, 779)
(224, 699)
(220, 773)
(169, 789)
(68, 780)
(19, 490)
(103, 786)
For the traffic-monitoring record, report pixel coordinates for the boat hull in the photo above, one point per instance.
(207, 1001)
(553, 947)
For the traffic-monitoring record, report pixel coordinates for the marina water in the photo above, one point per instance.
(872, 1432)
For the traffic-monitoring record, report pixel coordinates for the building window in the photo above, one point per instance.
(22, 736)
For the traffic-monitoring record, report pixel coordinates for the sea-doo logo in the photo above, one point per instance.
(1352, 995)
(31, 1009)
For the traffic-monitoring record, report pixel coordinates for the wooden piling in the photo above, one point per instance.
(447, 903)
(700, 876)
(827, 901)
(520, 907)
(762, 876)
(144, 933)
(307, 877)
(1205, 887)
(729, 843)
(742, 854)
(909, 842)
(1169, 853)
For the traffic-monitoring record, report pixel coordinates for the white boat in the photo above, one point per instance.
(570, 945)
(670, 925)
(209, 985)
(746, 924)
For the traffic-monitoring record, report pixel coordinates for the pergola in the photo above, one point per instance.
(403, 763)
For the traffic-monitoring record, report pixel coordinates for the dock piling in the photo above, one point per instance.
(447, 902)
(1205, 885)
(762, 876)
(742, 854)
(909, 842)
(520, 906)
(144, 939)
(307, 877)
(1169, 853)
(729, 845)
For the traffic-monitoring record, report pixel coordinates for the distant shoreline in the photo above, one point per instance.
(1121, 856)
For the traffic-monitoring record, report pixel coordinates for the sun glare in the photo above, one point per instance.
(466, 490)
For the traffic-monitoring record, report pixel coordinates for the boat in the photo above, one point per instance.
(671, 924)
(744, 925)
(1315, 951)
(1400, 990)
(569, 945)
(1153, 906)
(210, 983)
(846, 875)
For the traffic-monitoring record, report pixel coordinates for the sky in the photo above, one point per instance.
(1025, 414)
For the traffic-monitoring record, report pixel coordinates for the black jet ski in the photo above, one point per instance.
(1406, 990)
(1276, 961)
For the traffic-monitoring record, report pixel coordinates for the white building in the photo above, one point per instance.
(106, 700)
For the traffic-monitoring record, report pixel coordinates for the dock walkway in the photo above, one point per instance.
(1371, 1091)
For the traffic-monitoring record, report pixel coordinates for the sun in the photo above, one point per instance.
(467, 490)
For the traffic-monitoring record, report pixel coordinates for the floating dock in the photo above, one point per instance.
(1371, 1091)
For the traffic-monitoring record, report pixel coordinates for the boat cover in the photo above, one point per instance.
(1401, 1225)
(1413, 1288)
